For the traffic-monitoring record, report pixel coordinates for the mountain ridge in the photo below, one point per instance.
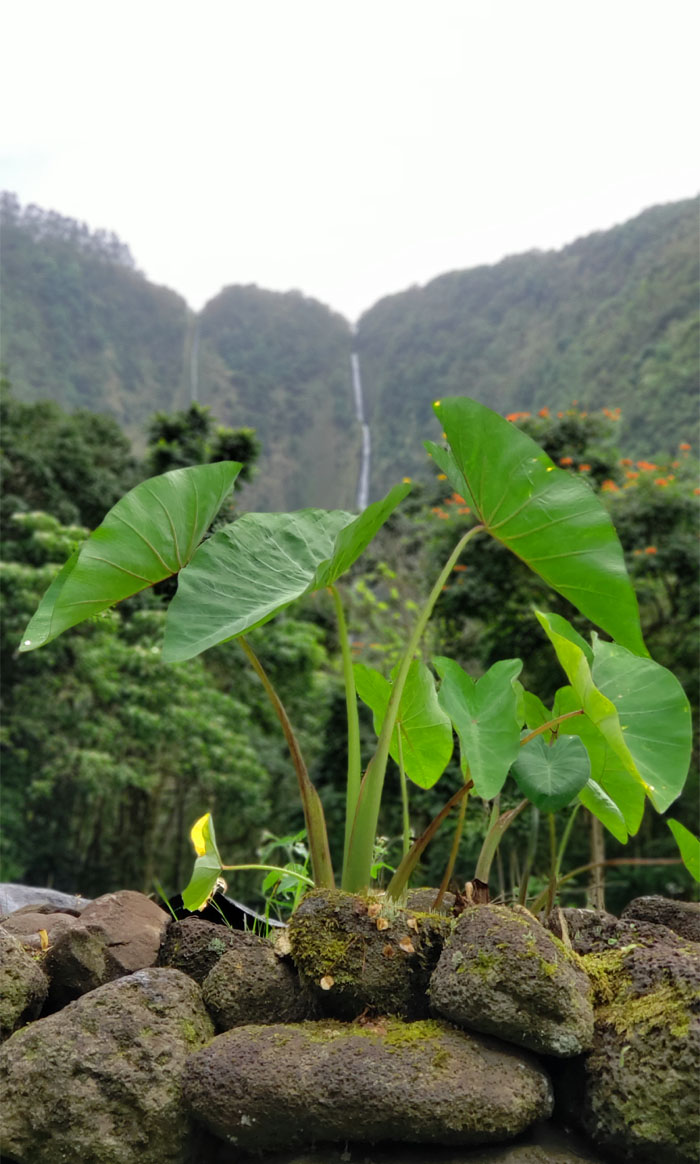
(608, 320)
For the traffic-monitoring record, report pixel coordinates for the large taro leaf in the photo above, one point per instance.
(654, 715)
(553, 521)
(150, 534)
(609, 775)
(638, 706)
(551, 775)
(252, 569)
(485, 717)
(423, 728)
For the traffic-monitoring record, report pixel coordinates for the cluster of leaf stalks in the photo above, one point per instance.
(617, 734)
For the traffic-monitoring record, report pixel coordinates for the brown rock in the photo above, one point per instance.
(115, 935)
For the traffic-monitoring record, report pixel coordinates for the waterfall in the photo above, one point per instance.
(194, 364)
(363, 479)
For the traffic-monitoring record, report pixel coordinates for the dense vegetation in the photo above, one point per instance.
(610, 321)
(109, 755)
(281, 363)
(81, 326)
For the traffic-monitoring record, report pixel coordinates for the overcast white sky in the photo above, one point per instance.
(346, 148)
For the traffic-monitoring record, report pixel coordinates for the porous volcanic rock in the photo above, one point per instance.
(269, 1087)
(251, 984)
(590, 931)
(359, 952)
(23, 985)
(502, 973)
(115, 935)
(100, 1082)
(683, 917)
(194, 946)
(636, 1094)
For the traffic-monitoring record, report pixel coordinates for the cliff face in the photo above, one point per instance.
(609, 321)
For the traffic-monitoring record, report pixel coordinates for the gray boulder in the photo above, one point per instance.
(593, 931)
(636, 1094)
(115, 935)
(14, 896)
(683, 917)
(503, 974)
(287, 1086)
(23, 985)
(101, 1081)
(252, 984)
(194, 946)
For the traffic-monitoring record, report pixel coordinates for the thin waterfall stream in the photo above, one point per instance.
(362, 499)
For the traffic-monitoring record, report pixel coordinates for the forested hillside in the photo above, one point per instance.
(80, 326)
(281, 364)
(83, 328)
(610, 321)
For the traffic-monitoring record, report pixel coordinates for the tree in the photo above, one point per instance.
(192, 437)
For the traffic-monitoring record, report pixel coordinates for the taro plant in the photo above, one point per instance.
(618, 733)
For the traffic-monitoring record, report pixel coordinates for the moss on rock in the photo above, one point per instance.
(358, 952)
(502, 973)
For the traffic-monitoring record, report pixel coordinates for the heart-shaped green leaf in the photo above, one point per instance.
(550, 519)
(207, 867)
(484, 715)
(551, 775)
(688, 846)
(252, 569)
(149, 534)
(601, 806)
(638, 706)
(423, 728)
(574, 657)
(607, 770)
(654, 715)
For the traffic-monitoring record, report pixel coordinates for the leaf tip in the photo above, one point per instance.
(198, 834)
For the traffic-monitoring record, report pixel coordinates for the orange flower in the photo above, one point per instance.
(646, 466)
(517, 415)
(625, 461)
(544, 412)
(457, 499)
(609, 487)
(684, 446)
(631, 475)
(463, 509)
(585, 468)
(675, 464)
(566, 461)
(696, 492)
(459, 567)
(651, 550)
(560, 414)
(660, 481)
